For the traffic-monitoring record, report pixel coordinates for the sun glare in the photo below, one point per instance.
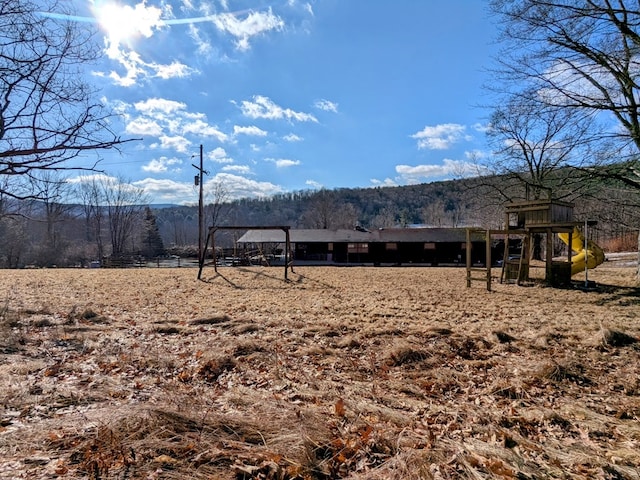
(123, 23)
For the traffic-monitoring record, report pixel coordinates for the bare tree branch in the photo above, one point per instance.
(48, 113)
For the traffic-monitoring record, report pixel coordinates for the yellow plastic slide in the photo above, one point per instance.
(594, 254)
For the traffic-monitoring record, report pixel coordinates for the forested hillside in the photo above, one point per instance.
(456, 203)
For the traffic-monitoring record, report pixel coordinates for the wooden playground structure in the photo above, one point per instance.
(523, 221)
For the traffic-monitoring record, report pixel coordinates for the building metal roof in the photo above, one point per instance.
(386, 235)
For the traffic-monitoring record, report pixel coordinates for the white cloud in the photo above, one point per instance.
(250, 130)
(253, 24)
(387, 182)
(168, 191)
(314, 184)
(137, 70)
(475, 155)
(241, 187)
(203, 45)
(203, 129)
(448, 169)
(292, 137)
(219, 155)
(144, 126)
(173, 70)
(170, 122)
(440, 137)
(162, 164)
(132, 65)
(326, 105)
(240, 169)
(155, 105)
(88, 178)
(103, 179)
(177, 143)
(264, 107)
(482, 128)
(184, 193)
(283, 162)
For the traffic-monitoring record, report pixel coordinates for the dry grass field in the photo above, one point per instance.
(359, 373)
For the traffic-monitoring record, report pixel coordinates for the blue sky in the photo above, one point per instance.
(291, 95)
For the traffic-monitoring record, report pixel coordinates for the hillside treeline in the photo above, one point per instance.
(53, 233)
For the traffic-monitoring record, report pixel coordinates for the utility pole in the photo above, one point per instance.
(198, 182)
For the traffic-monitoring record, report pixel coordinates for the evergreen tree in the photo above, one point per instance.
(151, 240)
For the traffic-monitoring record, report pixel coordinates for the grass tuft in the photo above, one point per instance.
(616, 338)
(213, 320)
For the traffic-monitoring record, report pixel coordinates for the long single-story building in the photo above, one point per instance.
(427, 246)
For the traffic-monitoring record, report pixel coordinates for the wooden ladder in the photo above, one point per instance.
(522, 271)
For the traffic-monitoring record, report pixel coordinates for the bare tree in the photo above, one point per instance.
(174, 223)
(13, 232)
(48, 115)
(580, 55)
(385, 218)
(534, 147)
(124, 205)
(218, 194)
(322, 210)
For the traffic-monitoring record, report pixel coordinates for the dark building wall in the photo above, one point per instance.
(401, 253)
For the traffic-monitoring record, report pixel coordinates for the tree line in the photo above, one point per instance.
(113, 221)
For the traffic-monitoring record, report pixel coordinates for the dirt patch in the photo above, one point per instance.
(376, 373)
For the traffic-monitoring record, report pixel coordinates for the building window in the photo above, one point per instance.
(430, 246)
(392, 246)
(358, 248)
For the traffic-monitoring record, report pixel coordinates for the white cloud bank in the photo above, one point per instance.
(170, 123)
(440, 137)
(249, 130)
(162, 165)
(264, 107)
(185, 193)
(255, 23)
(326, 105)
(283, 162)
(446, 170)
